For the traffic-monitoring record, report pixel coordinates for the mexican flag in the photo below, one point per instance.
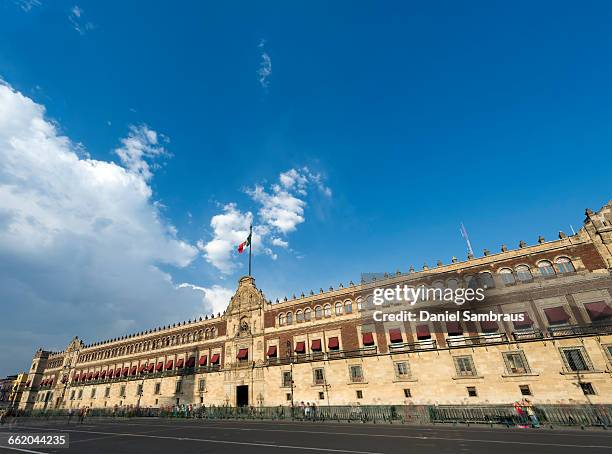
(242, 246)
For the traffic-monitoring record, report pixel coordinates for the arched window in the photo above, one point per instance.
(318, 312)
(307, 314)
(289, 318)
(207, 334)
(338, 308)
(546, 268)
(348, 307)
(299, 316)
(213, 332)
(359, 304)
(486, 280)
(452, 284)
(523, 273)
(282, 319)
(327, 310)
(507, 276)
(564, 265)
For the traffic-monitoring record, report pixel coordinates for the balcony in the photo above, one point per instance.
(488, 339)
(425, 344)
(597, 328)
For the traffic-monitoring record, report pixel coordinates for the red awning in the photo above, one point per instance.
(423, 332)
(368, 338)
(333, 343)
(51, 380)
(110, 373)
(300, 347)
(203, 360)
(454, 328)
(215, 358)
(141, 368)
(272, 351)
(489, 326)
(117, 372)
(103, 374)
(134, 369)
(96, 375)
(556, 315)
(526, 323)
(395, 336)
(90, 376)
(179, 363)
(126, 370)
(598, 311)
(243, 353)
(169, 364)
(160, 366)
(151, 367)
(191, 361)
(316, 345)
(83, 376)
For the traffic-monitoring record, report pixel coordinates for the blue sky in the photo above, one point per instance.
(399, 121)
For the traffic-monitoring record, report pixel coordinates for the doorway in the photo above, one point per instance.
(242, 396)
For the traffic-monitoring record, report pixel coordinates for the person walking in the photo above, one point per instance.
(70, 413)
(528, 406)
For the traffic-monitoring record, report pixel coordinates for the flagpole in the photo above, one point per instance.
(250, 245)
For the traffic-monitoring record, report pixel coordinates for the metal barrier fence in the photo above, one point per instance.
(550, 415)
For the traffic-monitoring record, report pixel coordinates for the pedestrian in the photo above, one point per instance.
(528, 406)
(70, 412)
(521, 415)
(81, 415)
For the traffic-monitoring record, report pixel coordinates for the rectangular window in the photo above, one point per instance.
(356, 374)
(575, 359)
(402, 370)
(587, 389)
(93, 393)
(286, 380)
(288, 397)
(525, 390)
(122, 391)
(107, 392)
(157, 388)
(80, 394)
(465, 366)
(407, 392)
(321, 395)
(318, 376)
(516, 362)
(471, 390)
(202, 385)
(139, 390)
(359, 394)
(72, 395)
(179, 387)
(608, 349)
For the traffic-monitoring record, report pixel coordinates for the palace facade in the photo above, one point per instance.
(325, 347)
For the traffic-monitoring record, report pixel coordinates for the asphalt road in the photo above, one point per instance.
(151, 435)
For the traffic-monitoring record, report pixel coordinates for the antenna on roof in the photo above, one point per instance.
(465, 236)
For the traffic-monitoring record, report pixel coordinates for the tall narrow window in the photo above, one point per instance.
(564, 265)
(576, 359)
(523, 273)
(318, 376)
(464, 366)
(286, 379)
(348, 307)
(546, 268)
(516, 362)
(356, 374)
(507, 276)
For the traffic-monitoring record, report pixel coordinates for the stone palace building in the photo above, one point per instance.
(326, 347)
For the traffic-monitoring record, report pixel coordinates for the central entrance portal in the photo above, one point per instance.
(242, 396)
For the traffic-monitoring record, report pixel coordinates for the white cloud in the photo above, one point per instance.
(281, 211)
(215, 297)
(230, 228)
(81, 240)
(140, 146)
(280, 242)
(265, 66)
(28, 5)
(77, 19)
